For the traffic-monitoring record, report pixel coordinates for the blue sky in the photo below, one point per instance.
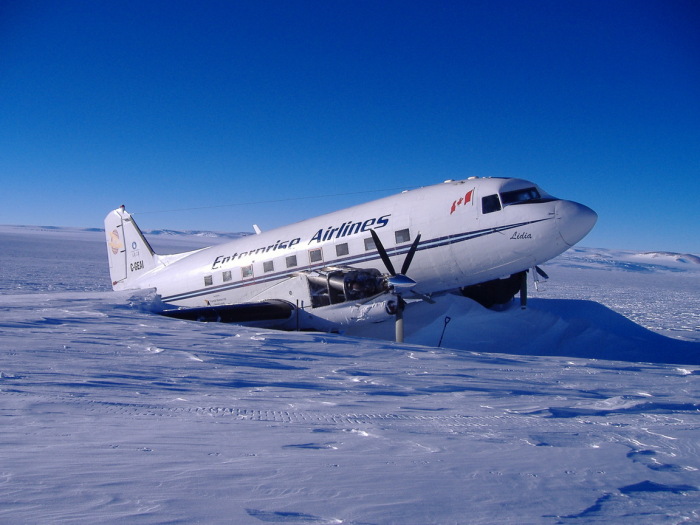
(258, 112)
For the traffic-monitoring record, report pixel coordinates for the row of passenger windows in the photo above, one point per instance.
(315, 256)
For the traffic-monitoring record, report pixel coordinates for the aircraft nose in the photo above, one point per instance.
(574, 221)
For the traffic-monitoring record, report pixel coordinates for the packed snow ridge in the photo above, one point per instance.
(682, 258)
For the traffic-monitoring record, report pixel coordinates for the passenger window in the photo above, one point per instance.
(227, 275)
(268, 266)
(247, 271)
(208, 280)
(291, 261)
(490, 203)
(315, 255)
(402, 236)
(342, 249)
(369, 244)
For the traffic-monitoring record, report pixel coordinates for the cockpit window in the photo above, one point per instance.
(521, 196)
(490, 203)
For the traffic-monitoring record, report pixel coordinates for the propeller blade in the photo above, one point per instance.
(382, 253)
(541, 272)
(409, 255)
(398, 328)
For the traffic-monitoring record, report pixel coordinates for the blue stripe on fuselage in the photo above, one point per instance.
(368, 256)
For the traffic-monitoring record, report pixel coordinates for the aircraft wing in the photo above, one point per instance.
(272, 310)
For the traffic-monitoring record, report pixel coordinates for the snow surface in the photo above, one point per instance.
(111, 413)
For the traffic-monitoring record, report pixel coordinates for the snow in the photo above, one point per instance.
(110, 413)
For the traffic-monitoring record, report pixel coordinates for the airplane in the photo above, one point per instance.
(478, 237)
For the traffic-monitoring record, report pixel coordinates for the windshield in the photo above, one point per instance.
(522, 196)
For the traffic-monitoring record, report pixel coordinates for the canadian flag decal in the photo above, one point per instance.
(462, 201)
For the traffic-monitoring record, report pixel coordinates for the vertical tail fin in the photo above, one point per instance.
(130, 255)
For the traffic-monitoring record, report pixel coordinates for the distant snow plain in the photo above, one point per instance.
(583, 408)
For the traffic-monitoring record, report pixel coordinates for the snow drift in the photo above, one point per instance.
(113, 414)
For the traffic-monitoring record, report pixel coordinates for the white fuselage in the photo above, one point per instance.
(469, 235)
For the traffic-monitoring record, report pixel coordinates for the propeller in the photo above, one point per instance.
(539, 271)
(397, 281)
(523, 284)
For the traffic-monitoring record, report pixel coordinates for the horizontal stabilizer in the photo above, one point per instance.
(235, 313)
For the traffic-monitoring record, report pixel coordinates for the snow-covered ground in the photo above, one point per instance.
(588, 413)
